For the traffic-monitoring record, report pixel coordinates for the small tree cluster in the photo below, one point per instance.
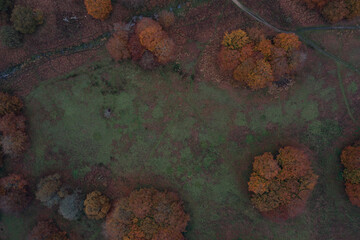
(98, 9)
(47, 190)
(278, 182)
(257, 61)
(14, 193)
(47, 230)
(335, 11)
(13, 137)
(25, 19)
(96, 205)
(350, 158)
(148, 37)
(147, 214)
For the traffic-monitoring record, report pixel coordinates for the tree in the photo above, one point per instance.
(98, 9)
(147, 214)
(165, 51)
(9, 104)
(71, 206)
(236, 39)
(47, 190)
(96, 205)
(25, 20)
(10, 37)
(319, 4)
(135, 48)
(47, 230)
(166, 18)
(287, 41)
(335, 11)
(282, 181)
(350, 158)
(117, 46)
(229, 59)
(14, 193)
(6, 5)
(354, 8)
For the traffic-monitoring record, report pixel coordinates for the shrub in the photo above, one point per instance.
(10, 37)
(9, 104)
(96, 205)
(350, 158)
(14, 193)
(236, 39)
(148, 61)
(281, 181)
(147, 214)
(25, 20)
(335, 11)
(47, 190)
(70, 207)
(166, 18)
(117, 46)
(47, 230)
(98, 9)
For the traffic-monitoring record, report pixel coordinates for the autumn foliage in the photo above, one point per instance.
(47, 230)
(14, 193)
(166, 18)
(13, 137)
(47, 190)
(350, 158)
(335, 10)
(281, 182)
(99, 9)
(256, 61)
(96, 205)
(147, 214)
(117, 46)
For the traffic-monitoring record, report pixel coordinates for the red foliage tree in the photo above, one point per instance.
(117, 46)
(350, 158)
(229, 59)
(147, 214)
(135, 48)
(281, 182)
(99, 9)
(335, 11)
(14, 193)
(47, 230)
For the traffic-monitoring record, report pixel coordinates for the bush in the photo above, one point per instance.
(25, 20)
(47, 230)
(335, 11)
(14, 193)
(10, 37)
(9, 104)
(47, 190)
(280, 182)
(166, 18)
(96, 205)
(98, 9)
(350, 158)
(147, 214)
(70, 207)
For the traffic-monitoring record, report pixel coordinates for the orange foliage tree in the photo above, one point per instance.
(350, 158)
(354, 8)
(47, 230)
(258, 61)
(99, 9)
(96, 205)
(14, 193)
(147, 214)
(281, 182)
